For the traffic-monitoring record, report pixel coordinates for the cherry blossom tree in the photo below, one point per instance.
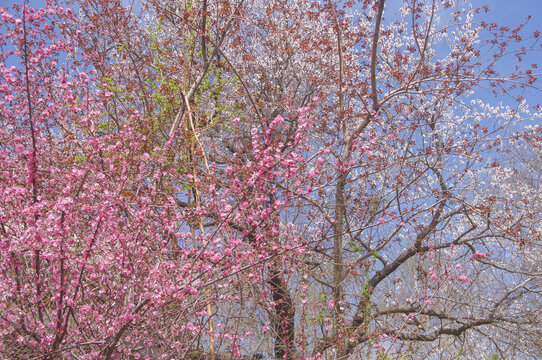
(267, 179)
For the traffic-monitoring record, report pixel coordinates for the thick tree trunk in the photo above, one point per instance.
(284, 319)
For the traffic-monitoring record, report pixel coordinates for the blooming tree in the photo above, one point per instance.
(215, 179)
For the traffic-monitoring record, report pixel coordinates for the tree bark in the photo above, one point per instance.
(284, 319)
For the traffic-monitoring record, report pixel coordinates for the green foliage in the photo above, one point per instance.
(403, 356)
(377, 202)
(80, 159)
(494, 357)
(461, 354)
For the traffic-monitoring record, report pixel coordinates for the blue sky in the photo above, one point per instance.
(508, 12)
(504, 12)
(511, 13)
